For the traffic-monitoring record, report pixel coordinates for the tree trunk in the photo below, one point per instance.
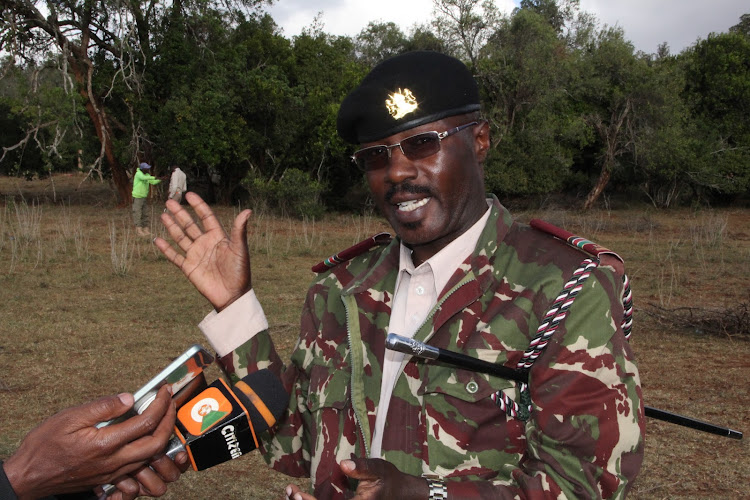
(104, 133)
(598, 188)
(82, 69)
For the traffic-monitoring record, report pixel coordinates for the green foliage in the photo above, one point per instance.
(215, 88)
(743, 27)
(717, 94)
(294, 194)
(38, 120)
(379, 41)
(525, 74)
(557, 13)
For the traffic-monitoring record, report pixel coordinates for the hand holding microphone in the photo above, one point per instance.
(218, 424)
(68, 453)
(222, 423)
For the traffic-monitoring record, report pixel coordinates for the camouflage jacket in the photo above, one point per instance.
(584, 435)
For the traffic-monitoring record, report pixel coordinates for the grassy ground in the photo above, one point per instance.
(89, 309)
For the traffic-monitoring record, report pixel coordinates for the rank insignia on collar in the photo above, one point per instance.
(353, 251)
(401, 103)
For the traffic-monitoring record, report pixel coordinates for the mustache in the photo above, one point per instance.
(406, 187)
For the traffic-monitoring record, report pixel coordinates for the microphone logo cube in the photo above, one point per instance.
(205, 411)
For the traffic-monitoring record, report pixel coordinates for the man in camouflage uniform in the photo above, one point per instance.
(363, 420)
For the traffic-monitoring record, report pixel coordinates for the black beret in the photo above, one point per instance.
(404, 92)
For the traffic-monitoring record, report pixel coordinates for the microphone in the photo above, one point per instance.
(223, 423)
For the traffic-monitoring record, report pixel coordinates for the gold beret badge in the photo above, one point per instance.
(401, 103)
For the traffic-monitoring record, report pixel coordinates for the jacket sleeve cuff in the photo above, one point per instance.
(6, 489)
(235, 325)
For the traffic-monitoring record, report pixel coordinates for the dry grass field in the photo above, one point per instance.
(88, 309)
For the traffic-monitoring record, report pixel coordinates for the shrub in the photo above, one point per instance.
(294, 194)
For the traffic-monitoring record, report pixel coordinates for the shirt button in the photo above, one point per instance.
(472, 387)
(419, 290)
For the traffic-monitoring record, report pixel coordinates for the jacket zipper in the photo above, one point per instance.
(357, 417)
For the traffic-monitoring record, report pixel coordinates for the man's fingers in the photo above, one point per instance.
(153, 484)
(189, 227)
(239, 228)
(172, 205)
(127, 489)
(362, 468)
(165, 468)
(175, 232)
(143, 436)
(166, 425)
(101, 410)
(294, 492)
(155, 442)
(170, 253)
(204, 212)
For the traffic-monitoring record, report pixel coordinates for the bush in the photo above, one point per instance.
(294, 194)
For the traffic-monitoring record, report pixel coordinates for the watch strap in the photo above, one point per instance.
(438, 490)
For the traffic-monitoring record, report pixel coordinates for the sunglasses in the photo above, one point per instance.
(415, 147)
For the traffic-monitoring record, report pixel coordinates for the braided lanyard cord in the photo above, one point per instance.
(556, 314)
(627, 305)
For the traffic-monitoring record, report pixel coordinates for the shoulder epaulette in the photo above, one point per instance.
(573, 240)
(594, 249)
(353, 251)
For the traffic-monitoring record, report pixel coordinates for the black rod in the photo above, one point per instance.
(425, 351)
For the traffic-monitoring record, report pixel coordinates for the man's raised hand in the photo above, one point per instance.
(217, 264)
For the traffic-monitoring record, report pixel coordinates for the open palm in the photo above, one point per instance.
(217, 264)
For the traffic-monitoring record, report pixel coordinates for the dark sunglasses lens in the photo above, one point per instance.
(421, 146)
(371, 158)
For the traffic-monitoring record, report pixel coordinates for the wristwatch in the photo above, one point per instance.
(438, 490)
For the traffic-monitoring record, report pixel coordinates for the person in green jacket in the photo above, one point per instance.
(141, 182)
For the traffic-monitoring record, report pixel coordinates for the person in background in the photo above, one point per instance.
(67, 455)
(461, 274)
(141, 182)
(177, 184)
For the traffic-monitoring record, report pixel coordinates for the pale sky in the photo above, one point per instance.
(646, 23)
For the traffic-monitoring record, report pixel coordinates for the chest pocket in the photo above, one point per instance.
(468, 434)
(469, 386)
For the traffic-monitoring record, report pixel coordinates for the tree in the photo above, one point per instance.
(379, 41)
(664, 147)
(422, 38)
(465, 25)
(221, 105)
(743, 27)
(39, 127)
(113, 36)
(325, 69)
(525, 76)
(717, 93)
(557, 13)
(610, 92)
